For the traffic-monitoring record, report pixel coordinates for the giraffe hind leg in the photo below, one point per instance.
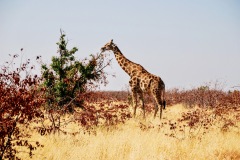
(161, 108)
(159, 104)
(156, 109)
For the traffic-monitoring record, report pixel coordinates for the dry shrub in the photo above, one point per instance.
(20, 105)
(209, 108)
(102, 115)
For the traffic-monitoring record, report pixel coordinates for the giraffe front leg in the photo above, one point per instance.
(132, 84)
(134, 99)
(142, 100)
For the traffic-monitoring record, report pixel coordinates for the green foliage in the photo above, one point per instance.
(67, 78)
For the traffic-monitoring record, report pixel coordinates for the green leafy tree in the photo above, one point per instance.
(67, 78)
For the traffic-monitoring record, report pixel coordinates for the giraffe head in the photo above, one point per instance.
(109, 46)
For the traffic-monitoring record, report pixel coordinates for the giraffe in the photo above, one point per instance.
(140, 80)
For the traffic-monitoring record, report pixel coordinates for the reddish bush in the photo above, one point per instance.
(20, 104)
(103, 115)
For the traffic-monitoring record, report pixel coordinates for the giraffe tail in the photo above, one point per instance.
(163, 96)
(164, 104)
(163, 101)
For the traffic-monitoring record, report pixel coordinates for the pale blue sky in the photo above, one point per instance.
(186, 43)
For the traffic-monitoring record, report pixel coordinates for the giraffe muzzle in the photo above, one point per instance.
(102, 49)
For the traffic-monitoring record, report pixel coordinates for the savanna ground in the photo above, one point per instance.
(109, 131)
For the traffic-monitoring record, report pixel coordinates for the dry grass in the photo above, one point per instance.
(138, 139)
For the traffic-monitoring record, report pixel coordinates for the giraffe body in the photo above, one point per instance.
(140, 80)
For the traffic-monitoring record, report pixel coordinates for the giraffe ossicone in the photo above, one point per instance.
(140, 80)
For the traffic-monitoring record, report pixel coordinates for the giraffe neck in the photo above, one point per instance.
(124, 63)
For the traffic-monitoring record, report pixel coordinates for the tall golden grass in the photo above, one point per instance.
(139, 139)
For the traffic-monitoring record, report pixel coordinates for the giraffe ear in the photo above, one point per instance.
(111, 41)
